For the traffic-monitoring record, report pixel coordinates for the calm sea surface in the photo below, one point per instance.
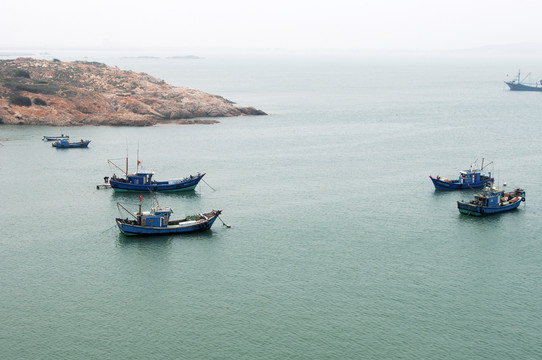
(339, 248)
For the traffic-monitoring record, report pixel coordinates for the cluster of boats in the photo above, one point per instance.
(490, 200)
(63, 142)
(157, 221)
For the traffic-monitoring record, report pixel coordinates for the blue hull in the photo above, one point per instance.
(522, 87)
(137, 230)
(55, 138)
(456, 185)
(60, 145)
(477, 210)
(186, 185)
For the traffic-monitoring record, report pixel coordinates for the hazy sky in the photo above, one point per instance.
(276, 24)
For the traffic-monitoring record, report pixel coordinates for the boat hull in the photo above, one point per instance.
(514, 86)
(457, 185)
(183, 228)
(477, 210)
(185, 185)
(60, 145)
(55, 138)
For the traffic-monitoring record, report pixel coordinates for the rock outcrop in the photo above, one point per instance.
(42, 92)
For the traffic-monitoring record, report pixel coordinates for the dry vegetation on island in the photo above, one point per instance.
(43, 92)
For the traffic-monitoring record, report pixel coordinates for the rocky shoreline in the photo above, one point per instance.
(56, 93)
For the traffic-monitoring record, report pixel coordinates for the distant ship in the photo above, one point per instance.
(518, 85)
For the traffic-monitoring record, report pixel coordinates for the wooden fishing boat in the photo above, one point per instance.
(56, 138)
(492, 200)
(64, 144)
(157, 222)
(143, 181)
(468, 179)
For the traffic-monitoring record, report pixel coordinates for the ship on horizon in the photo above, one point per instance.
(517, 84)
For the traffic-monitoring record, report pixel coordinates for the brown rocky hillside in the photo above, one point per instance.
(43, 92)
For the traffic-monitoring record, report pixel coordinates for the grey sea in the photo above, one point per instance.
(339, 246)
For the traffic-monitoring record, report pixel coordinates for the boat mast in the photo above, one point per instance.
(115, 165)
(126, 158)
(137, 166)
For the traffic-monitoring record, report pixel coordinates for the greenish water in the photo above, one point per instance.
(339, 246)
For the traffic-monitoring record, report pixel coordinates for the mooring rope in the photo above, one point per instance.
(208, 185)
(108, 229)
(223, 223)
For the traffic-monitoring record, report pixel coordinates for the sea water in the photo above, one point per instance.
(339, 246)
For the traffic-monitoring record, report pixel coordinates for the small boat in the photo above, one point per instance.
(56, 138)
(492, 200)
(105, 185)
(66, 144)
(143, 181)
(157, 222)
(468, 179)
(517, 84)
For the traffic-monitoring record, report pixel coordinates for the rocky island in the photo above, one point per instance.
(43, 92)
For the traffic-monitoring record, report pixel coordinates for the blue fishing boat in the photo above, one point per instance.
(157, 222)
(143, 181)
(56, 138)
(64, 144)
(468, 179)
(517, 84)
(492, 200)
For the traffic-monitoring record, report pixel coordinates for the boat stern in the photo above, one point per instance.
(470, 209)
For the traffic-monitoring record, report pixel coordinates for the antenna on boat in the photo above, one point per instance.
(473, 164)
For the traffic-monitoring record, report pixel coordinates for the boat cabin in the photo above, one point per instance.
(157, 217)
(473, 176)
(491, 197)
(140, 178)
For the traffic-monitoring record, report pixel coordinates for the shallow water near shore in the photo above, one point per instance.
(338, 248)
